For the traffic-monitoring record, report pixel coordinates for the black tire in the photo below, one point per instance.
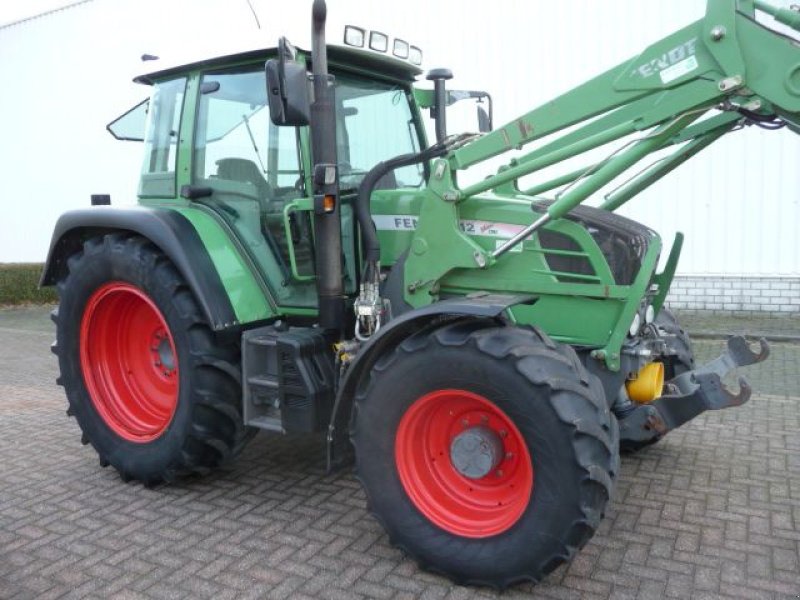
(206, 427)
(679, 342)
(557, 406)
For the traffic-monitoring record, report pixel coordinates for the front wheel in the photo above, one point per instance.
(488, 453)
(151, 388)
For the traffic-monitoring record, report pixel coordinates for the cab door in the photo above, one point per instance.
(256, 174)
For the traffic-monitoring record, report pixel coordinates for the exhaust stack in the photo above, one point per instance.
(327, 219)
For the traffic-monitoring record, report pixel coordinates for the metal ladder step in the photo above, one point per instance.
(266, 423)
(263, 381)
(262, 341)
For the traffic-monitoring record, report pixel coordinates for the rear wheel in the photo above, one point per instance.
(487, 453)
(152, 390)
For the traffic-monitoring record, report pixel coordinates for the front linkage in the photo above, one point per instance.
(690, 394)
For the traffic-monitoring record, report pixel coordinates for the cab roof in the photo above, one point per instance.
(339, 56)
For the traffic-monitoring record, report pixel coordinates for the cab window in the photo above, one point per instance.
(161, 139)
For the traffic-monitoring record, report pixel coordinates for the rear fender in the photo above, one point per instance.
(169, 230)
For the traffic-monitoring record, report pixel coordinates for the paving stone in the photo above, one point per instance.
(711, 511)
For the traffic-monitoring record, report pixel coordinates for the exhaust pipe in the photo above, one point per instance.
(327, 218)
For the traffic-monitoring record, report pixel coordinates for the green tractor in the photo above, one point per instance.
(302, 259)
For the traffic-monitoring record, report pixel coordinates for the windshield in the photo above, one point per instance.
(374, 122)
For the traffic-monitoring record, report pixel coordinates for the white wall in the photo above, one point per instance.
(67, 74)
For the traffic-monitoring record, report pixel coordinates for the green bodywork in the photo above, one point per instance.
(682, 92)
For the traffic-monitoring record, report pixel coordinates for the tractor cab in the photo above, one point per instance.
(209, 142)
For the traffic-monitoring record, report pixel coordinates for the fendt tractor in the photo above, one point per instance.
(303, 260)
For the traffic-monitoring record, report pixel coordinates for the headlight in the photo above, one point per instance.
(354, 36)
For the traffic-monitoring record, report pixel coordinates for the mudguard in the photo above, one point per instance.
(167, 229)
(480, 305)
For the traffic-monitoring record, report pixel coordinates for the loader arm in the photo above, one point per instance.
(684, 92)
(726, 55)
(726, 62)
(687, 90)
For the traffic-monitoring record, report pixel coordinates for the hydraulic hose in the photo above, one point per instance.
(764, 121)
(369, 235)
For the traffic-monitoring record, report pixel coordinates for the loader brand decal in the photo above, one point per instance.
(678, 70)
(502, 231)
(672, 64)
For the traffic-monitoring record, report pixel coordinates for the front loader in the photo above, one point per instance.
(303, 260)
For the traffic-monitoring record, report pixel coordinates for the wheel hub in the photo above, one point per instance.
(163, 357)
(476, 452)
(463, 463)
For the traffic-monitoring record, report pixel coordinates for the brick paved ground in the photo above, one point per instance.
(713, 511)
(709, 323)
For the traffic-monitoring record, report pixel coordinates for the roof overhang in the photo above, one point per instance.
(341, 56)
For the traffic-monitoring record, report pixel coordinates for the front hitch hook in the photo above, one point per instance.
(694, 392)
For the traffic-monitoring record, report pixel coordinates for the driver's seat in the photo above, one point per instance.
(244, 170)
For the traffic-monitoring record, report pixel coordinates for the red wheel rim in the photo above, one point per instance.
(474, 508)
(129, 362)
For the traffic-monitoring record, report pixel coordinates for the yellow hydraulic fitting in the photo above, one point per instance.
(647, 386)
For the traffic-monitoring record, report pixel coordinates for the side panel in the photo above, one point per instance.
(201, 251)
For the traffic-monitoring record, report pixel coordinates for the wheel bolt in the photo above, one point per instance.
(158, 363)
(509, 455)
(499, 472)
(465, 422)
(484, 419)
(502, 433)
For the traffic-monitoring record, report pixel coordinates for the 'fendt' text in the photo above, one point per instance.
(668, 59)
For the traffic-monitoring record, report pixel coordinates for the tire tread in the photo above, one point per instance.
(209, 442)
(572, 396)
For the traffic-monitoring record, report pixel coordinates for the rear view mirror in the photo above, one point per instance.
(484, 121)
(287, 88)
(483, 101)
